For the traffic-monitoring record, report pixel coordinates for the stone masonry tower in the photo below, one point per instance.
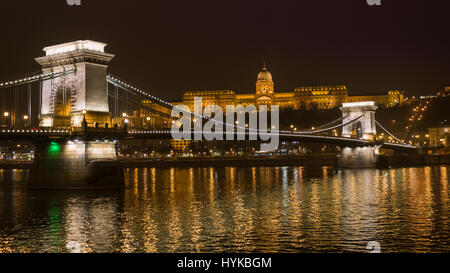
(82, 91)
(365, 127)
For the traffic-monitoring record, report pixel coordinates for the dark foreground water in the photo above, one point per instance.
(292, 209)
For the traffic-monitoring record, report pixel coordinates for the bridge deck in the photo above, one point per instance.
(116, 133)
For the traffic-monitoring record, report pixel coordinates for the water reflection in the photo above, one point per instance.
(260, 209)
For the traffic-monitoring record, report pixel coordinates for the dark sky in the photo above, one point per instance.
(170, 46)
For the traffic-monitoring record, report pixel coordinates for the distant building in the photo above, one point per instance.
(444, 91)
(180, 145)
(439, 136)
(306, 97)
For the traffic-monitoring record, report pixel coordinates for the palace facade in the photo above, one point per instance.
(306, 97)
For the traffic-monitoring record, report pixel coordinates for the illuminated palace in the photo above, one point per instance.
(307, 97)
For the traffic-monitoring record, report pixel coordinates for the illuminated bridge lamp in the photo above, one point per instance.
(25, 117)
(6, 114)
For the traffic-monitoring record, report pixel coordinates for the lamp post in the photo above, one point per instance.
(126, 121)
(26, 120)
(5, 118)
(148, 122)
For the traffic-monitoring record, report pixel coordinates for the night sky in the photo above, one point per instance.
(171, 46)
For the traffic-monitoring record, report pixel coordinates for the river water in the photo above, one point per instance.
(261, 209)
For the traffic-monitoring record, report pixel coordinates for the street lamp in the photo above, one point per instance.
(26, 118)
(5, 119)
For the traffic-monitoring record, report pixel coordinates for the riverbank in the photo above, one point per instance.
(318, 160)
(260, 161)
(11, 165)
(397, 161)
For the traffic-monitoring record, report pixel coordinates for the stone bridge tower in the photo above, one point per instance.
(365, 127)
(80, 94)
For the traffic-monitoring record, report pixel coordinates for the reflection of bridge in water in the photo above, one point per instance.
(77, 114)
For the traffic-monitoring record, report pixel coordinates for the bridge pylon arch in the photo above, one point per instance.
(364, 127)
(83, 92)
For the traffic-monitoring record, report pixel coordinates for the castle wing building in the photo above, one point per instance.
(306, 97)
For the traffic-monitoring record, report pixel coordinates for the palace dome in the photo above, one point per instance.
(264, 75)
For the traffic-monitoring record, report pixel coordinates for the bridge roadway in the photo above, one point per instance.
(46, 134)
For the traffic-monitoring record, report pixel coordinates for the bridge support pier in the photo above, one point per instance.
(76, 165)
(359, 157)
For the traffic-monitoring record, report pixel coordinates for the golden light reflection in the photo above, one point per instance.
(314, 202)
(254, 179)
(325, 173)
(198, 209)
(172, 180)
(444, 185)
(195, 225)
(295, 211)
(212, 182)
(300, 175)
(277, 174)
(150, 229)
(232, 178)
(75, 224)
(136, 181)
(145, 181)
(336, 194)
(153, 171)
(174, 227)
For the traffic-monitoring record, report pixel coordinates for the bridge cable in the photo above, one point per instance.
(140, 105)
(327, 129)
(40, 77)
(130, 88)
(389, 133)
(331, 123)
